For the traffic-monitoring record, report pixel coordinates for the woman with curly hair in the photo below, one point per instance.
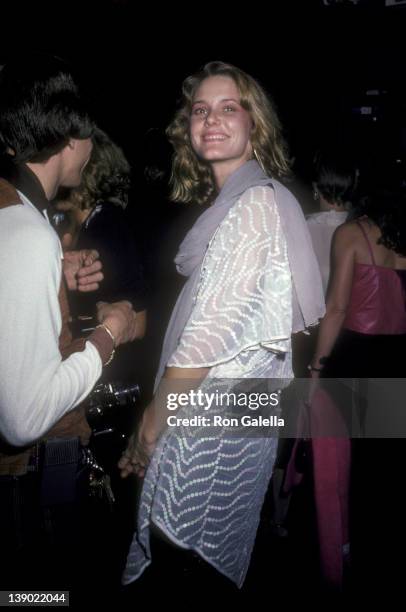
(96, 210)
(98, 221)
(252, 281)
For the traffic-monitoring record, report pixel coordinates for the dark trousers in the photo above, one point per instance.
(39, 544)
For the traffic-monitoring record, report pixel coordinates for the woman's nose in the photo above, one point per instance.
(212, 117)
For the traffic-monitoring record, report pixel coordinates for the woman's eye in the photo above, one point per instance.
(200, 111)
(229, 109)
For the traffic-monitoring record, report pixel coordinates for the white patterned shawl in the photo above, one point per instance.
(206, 492)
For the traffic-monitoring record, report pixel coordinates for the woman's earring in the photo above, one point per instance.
(315, 194)
(259, 160)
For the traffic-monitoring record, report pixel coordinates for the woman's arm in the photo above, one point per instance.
(154, 418)
(339, 292)
(142, 444)
(234, 304)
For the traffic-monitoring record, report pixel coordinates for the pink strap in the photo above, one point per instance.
(367, 239)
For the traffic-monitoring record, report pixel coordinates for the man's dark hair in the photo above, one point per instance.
(40, 108)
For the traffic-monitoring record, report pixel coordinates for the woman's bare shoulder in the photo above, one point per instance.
(347, 232)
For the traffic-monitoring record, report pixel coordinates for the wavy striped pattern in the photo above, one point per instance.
(205, 491)
(244, 295)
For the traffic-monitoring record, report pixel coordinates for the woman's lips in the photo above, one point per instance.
(214, 137)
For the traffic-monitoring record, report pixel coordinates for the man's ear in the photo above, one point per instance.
(71, 143)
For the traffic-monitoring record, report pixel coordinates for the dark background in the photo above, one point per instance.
(335, 70)
(317, 62)
(336, 73)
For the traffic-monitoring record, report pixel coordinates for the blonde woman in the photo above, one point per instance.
(252, 280)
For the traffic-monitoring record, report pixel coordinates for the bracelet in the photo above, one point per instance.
(312, 369)
(322, 361)
(106, 329)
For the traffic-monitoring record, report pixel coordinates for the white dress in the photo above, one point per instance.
(206, 491)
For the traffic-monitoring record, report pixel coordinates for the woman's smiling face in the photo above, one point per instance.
(220, 128)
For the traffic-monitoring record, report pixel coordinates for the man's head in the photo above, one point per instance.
(42, 115)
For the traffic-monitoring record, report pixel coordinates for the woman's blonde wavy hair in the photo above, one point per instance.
(192, 179)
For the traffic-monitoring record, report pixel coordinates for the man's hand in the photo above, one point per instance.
(120, 318)
(82, 270)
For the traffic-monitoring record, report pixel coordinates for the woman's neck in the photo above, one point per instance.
(222, 170)
(326, 206)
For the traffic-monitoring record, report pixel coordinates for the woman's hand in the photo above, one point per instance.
(141, 446)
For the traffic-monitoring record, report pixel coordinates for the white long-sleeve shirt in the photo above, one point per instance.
(37, 388)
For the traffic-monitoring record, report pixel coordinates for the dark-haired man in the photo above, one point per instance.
(45, 142)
